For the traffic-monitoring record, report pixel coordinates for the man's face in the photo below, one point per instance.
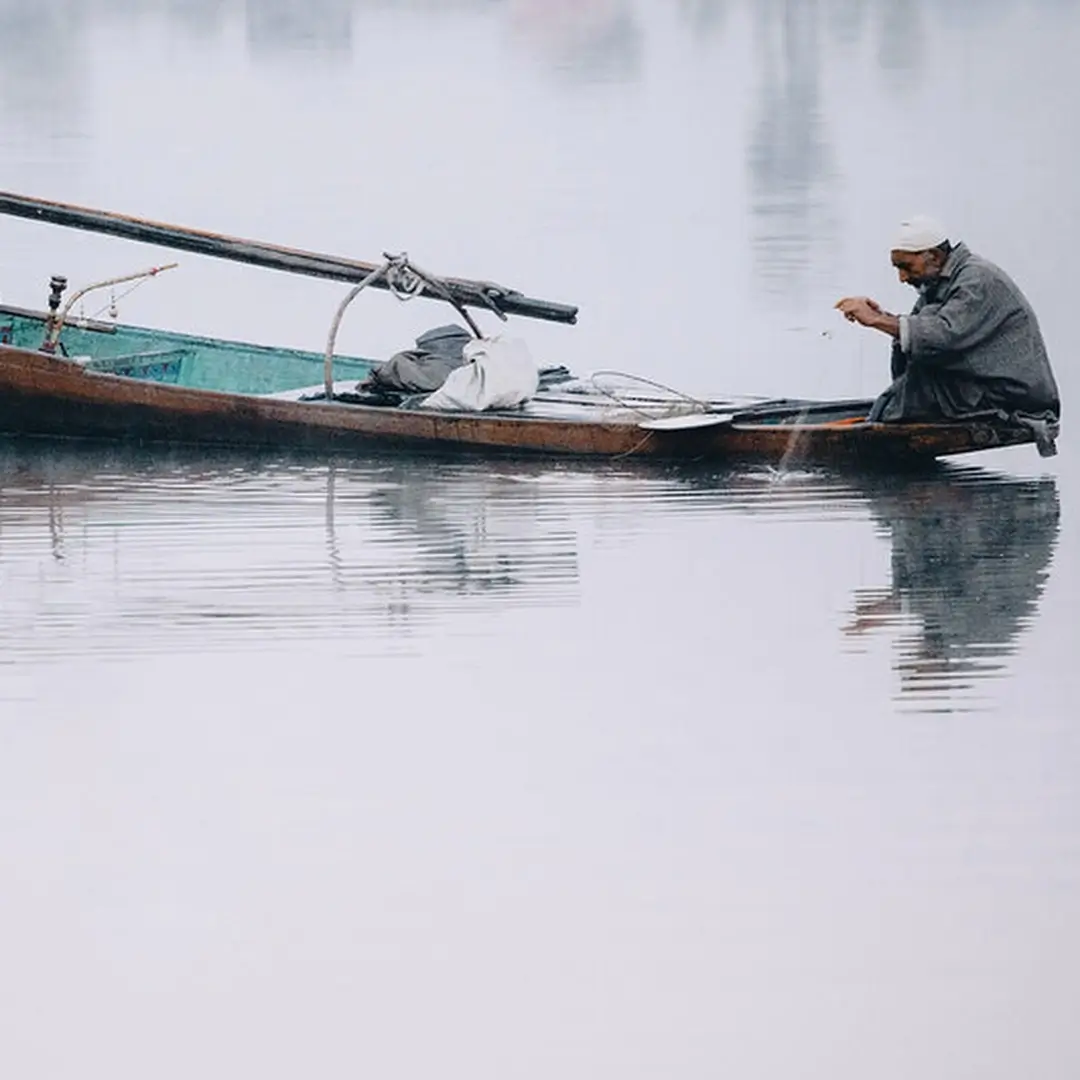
(917, 268)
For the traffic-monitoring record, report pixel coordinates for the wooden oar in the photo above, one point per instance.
(478, 294)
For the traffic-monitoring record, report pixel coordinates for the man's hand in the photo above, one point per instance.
(867, 312)
(860, 309)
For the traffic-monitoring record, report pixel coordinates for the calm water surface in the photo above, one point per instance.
(417, 767)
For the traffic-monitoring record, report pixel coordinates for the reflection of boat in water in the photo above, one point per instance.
(970, 558)
(107, 548)
(101, 545)
(477, 532)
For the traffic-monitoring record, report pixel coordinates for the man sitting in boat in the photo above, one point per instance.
(971, 345)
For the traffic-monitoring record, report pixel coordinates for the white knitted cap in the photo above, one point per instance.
(919, 233)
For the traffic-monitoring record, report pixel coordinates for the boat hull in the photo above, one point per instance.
(42, 395)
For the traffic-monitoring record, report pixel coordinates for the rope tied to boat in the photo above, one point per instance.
(406, 281)
(403, 282)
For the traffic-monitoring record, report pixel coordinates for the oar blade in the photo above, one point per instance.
(686, 421)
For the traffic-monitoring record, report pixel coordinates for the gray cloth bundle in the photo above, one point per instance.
(425, 368)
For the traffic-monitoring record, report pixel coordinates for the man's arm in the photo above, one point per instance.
(867, 312)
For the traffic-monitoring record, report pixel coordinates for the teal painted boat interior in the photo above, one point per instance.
(180, 359)
(165, 356)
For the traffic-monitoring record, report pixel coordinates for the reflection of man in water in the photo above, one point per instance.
(971, 344)
(969, 561)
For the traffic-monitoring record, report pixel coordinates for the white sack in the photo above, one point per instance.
(498, 373)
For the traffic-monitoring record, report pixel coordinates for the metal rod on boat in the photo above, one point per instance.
(328, 360)
(478, 294)
(57, 320)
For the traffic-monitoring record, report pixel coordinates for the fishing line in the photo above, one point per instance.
(796, 437)
(110, 307)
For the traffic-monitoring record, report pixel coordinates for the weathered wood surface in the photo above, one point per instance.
(477, 294)
(44, 395)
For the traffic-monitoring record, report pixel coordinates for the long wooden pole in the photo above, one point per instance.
(478, 294)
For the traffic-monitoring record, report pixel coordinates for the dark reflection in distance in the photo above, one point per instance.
(847, 20)
(970, 559)
(41, 65)
(200, 18)
(44, 46)
(592, 40)
(286, 26)
(705, 17)
(901, 44)
(788, 156)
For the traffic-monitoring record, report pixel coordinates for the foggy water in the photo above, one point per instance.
(421, 766)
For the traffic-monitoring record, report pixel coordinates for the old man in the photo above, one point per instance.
(971, 345)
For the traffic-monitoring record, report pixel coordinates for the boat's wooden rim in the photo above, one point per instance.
(743, 420)
(41, 394)
(753, 418)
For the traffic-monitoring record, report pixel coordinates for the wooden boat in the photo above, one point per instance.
(122, 382)
(65, 377)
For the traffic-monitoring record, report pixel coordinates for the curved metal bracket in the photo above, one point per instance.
(397, 270)
(56, 322)
(331, 341)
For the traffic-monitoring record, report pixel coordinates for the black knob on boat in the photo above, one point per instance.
(57, 285)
